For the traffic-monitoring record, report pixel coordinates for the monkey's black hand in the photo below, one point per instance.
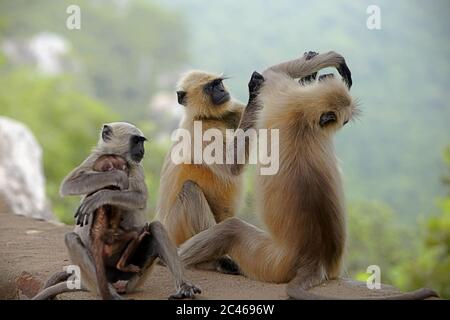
(186, 291)
(82, 216)
(255, 83)
(88, 206)
(343, 70)
(310, 54)
(345, 73)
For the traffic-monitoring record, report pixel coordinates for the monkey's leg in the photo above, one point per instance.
(167, 252)
(123, 264)
(252, 249)
(80, 256)
(190, 215)
(158, 245)
(97, 248)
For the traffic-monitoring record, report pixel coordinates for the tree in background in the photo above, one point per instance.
(409, 257)
(432, 266)
(123, 53)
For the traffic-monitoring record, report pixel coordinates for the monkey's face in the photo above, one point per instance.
(334, 111)
(335, 119)
(203, 94)
(122, 139)
(216, 91)
(137, 150)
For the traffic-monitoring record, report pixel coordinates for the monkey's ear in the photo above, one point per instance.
(181, 95)
(106, 133)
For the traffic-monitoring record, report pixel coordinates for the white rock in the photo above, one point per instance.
(22, 182)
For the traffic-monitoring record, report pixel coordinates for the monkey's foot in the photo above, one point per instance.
(186, 291)
(120, 286)
(228, 266)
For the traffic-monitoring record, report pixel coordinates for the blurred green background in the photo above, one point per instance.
(124, 62)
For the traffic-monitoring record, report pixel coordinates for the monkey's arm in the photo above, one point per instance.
(249, 116)
(83, 180)
(248, 121)
(311, 63)
(133, 198)
(130, 200)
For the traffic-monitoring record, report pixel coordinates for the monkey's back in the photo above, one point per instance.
(303, 205)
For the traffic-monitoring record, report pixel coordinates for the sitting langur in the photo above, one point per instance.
(128, 199)
(107, 236)
(302, 205)
(194, 197)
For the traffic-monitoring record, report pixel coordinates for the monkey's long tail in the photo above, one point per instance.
(55, 285)
(298, 293)
(53, 291)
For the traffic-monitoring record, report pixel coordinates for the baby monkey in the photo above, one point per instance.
(107, 235)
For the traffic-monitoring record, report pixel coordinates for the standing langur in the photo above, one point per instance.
(194, 197)
(127, 198)
(302, 205)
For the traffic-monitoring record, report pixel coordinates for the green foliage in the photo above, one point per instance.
(431, 268)
(119, 55)
(409, 258)
(375, 239)
(65, 122)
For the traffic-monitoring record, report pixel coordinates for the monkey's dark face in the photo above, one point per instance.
(137, 150)
(217, 92)
(327, 119)
(332, 119)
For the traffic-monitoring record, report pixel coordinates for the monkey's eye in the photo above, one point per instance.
(137, 139)
(217, 84)
(327, 118)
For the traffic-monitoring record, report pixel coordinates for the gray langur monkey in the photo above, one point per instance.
(302, 206)
(194, 197)
(126, 141)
